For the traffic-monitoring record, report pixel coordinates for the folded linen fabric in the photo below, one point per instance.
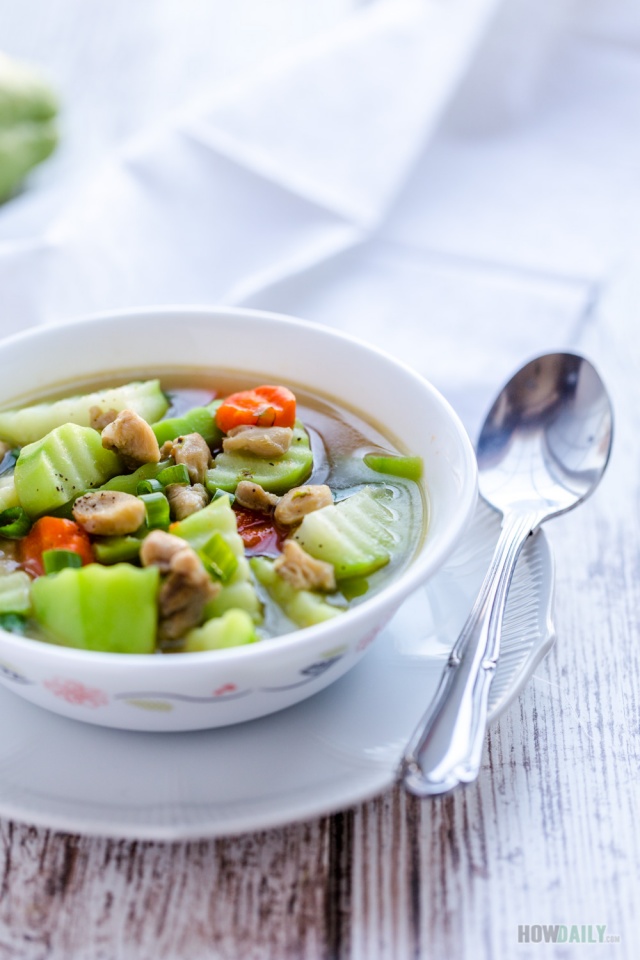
(281, 172)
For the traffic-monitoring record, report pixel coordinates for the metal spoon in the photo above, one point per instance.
(542, 450)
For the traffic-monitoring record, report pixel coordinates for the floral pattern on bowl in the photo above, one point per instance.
(76, 693)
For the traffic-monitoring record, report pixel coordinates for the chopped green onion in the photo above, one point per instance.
(177, 473)
(56, 560)
(218, 558)
(116, 549)
(12, 623)
(408, 467)
(14, 523)
(149, 486)
(15, 593)
(158, 513)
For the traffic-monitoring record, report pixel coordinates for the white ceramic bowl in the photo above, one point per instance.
(201, 690)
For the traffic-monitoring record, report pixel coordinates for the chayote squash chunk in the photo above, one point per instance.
(113, 609)
(28, 424)
(15, 592)
(68, 461)
(233, 629)
(355, 535)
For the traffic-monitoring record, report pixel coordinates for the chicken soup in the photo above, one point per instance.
(195, 513)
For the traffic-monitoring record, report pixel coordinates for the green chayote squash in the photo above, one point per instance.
(28, 132)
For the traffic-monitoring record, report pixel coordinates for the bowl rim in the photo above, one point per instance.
(384, 602)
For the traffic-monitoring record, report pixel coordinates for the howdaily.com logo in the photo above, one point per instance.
(565, 933)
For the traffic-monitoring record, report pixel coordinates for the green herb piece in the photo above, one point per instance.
(149, 486)
(14, 523)
(218, 558)
(177, 473)
(158, 512)
(116, 549)
(56, 560)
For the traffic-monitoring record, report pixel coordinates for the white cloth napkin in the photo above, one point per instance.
(278, 173)
(317, 188)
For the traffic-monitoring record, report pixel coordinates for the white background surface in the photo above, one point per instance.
(499, 239)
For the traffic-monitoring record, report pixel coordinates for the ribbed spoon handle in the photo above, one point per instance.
(446, 748)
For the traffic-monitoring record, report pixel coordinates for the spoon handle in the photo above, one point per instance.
(446, 747)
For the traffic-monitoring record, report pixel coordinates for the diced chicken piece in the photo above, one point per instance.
(159, 548)
(192, 450)
(254, 497)
(184, 594)
(302, 571)
(185, 500)
(264, 442)
(4, 448)
(173, 627)
(109, 513)
(187, 581)
(187, 587)
(166, 450)
(99, 418)
(300, 501)
(132, 438)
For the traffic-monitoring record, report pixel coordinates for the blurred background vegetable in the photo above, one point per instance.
(28, 130)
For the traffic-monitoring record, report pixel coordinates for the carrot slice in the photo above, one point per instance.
(265, 406)
(53, 533)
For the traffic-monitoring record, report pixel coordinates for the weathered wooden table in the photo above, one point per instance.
(548, 835)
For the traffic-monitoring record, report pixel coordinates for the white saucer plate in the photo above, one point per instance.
(336, 749)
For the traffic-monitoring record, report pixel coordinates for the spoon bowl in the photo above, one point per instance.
(543, 449)
(546, 440)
